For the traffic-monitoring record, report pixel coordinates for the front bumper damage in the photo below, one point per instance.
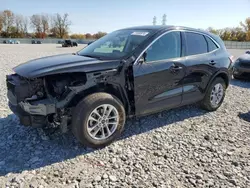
(47, 111)
(31, 113)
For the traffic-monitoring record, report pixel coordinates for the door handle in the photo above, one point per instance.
(175, 67)
(212, 62)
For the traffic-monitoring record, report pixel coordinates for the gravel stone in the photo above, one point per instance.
(233, 181)
(199, 176)
(183, 147)
(112, 178)
(105, 176)
(207, 137)
(98, 178)
(192, 181)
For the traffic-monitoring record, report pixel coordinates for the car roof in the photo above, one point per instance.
(148, 27)
(165, 27)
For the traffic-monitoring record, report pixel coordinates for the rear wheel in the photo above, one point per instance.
(215, 95)
(98, 120)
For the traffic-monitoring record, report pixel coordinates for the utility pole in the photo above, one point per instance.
(164, 19)
(154, 20)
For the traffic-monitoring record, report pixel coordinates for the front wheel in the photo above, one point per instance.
(215, 95)
(98, 120)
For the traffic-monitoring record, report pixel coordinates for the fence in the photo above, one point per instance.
(237, 45)
(47, 40)
(228, 44)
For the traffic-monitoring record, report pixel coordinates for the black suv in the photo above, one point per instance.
(129, 72)
(241, 67)
(69, 43)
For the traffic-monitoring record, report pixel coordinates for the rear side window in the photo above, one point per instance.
(211, 45)
(196, 44)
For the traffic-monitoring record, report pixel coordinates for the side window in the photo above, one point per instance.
(166, 47)
(211, 45)
(196, 44)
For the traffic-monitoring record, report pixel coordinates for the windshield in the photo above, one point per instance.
(116, 44)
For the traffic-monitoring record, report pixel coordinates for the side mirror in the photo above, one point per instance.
(143, 58)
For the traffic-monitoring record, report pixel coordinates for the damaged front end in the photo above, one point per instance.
(46, 101)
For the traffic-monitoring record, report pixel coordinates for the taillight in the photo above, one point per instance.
(231, 59)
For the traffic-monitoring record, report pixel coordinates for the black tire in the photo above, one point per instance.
(206, 102)
(83, 110)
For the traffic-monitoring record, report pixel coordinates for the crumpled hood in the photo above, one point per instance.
(62, 64)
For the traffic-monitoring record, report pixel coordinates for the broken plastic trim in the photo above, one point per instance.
(38, 109)
(92, 80)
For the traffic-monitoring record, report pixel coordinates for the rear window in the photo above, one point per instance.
(211, 45)
(196, 44)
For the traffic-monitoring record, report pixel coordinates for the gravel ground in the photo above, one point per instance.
(185, 147)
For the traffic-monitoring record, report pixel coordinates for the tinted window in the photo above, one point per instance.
(116, 44)
(211, 45)
(166, 47)
(196, 44)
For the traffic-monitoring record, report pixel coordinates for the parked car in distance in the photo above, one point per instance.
(36, 42)
(241, 67)
(69, 43)
(11, 42)
(59, 42)
(16, 42)
(93, 91)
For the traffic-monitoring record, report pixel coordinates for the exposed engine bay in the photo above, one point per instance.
(55, 86)
(58, 85)
(44, 100)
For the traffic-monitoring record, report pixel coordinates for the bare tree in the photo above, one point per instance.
(36, 23)
(25, 25)
(40, 23)
(1, 21)
(61, 25)
(7, 21)
(18, 23)
(21, 25)
(45, 23)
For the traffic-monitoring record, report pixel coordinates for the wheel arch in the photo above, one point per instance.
(106, 88)
(222, 74)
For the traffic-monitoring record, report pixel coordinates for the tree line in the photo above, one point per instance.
(240, 33)
(43, 25)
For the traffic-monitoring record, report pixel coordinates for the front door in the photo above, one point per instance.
(158, 79)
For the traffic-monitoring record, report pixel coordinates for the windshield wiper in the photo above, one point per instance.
(91, 56)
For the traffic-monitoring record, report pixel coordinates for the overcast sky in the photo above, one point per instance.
(108, 15)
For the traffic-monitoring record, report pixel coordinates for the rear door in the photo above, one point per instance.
(201, 64)
(158, 80)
